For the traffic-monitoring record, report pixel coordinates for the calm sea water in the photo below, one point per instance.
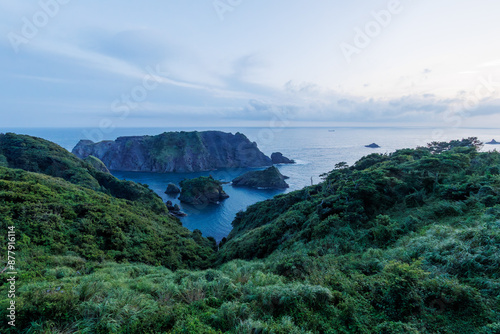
(316, 151)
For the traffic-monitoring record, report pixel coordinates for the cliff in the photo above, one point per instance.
(270, 178)
(176, 152)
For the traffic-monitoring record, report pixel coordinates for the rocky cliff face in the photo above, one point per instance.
(176, 152)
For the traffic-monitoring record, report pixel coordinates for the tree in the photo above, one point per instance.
(439, 147)
(341, 165)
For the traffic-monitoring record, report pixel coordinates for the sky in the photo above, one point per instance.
(68, 63)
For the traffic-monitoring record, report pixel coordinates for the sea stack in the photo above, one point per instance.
(202, 190)
(279, 158)
(172, 189)
(175, 210)
(270, 178)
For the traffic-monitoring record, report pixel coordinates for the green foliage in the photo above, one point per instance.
(59, 217)
(268, 178)
(170, 145)
(344, 212)
(41, 156)
(96, 163)
(201, 190)
(402, 243)
(439, 147)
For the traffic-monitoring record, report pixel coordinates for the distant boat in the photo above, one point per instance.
(331, 130)
(493, 142)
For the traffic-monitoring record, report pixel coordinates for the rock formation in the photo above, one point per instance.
(172, 189)
(175, 210)
(493, 142)
(270, 178)
(278, 158)
(202, 190)
(176, 152)
(372, 145)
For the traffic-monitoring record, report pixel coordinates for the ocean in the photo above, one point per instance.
(315, 150)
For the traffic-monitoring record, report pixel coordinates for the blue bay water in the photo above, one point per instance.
(316, 151)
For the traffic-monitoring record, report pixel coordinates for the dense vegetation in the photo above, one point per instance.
(41, 156)
(54, 217)
(268, 178)
(202, 190)
(77, 209)
(400, 243)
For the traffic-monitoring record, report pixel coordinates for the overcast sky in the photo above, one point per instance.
(249, 62)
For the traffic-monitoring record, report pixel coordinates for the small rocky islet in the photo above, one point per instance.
(202, 190)
(172, 189)
(175, 210)
(270, 178)
(279, 158)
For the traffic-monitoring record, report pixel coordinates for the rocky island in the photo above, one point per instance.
(270, 178)
(278, 158)
(202, 190)
(493, 142)
(372, 145)
(176, 152)
(172, 189)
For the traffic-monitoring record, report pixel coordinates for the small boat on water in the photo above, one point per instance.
(331, 130)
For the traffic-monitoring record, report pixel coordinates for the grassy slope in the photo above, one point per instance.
(57, 217)
(41, 156)
(175, 144)
(406, 243)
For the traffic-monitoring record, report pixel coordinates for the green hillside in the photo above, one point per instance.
(41, 156)
(402, 243)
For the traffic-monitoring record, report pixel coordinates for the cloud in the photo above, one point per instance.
(140, 47)
(244, 65)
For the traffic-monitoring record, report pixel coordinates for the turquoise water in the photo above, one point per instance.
(316, 151)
